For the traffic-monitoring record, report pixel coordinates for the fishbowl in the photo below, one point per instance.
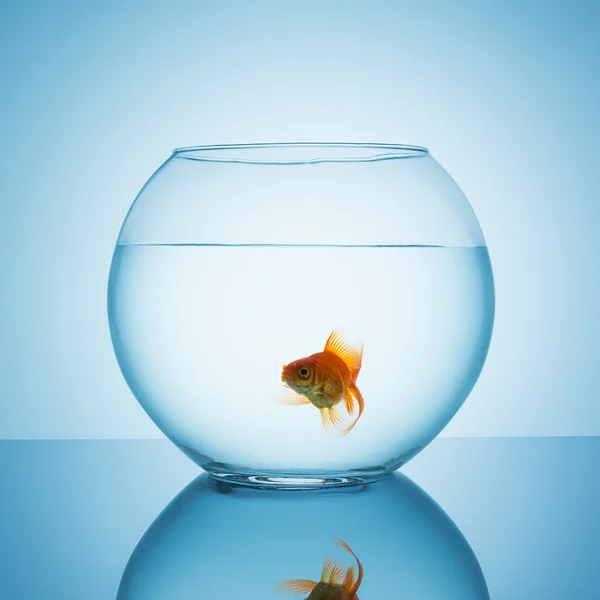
(301, 314)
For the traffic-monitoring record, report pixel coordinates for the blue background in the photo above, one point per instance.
(95, 95)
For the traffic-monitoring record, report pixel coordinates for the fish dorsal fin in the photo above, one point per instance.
(332, 572)
(351, 356)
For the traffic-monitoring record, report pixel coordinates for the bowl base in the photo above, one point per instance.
(293, 480)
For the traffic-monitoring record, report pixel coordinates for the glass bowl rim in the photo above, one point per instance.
(383, 151)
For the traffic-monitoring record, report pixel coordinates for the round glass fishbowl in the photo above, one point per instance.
(302, 313)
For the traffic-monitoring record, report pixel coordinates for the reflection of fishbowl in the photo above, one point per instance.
(236, 264)
(388, 539)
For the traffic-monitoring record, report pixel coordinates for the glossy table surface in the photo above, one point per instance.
(72, 512)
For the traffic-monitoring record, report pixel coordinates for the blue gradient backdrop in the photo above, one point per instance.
(95, 95)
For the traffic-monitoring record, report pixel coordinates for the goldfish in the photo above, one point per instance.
(335, 584)
(327, 379)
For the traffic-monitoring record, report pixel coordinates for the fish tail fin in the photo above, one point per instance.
(352, 357)
(354, 392)
(349, 401)
(353, 587)
(349, 579)
(354, 372)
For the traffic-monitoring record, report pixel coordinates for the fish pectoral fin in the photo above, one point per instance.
(351, 356)
(293, 399)
(332, 572)
(297, 586)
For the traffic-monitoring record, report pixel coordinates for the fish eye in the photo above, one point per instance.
(303, 372)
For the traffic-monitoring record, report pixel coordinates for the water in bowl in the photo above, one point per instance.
(201, 333)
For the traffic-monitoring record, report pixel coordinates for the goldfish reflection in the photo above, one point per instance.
(335, 583)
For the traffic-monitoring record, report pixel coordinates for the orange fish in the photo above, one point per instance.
(326, 379)
(335, 584)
